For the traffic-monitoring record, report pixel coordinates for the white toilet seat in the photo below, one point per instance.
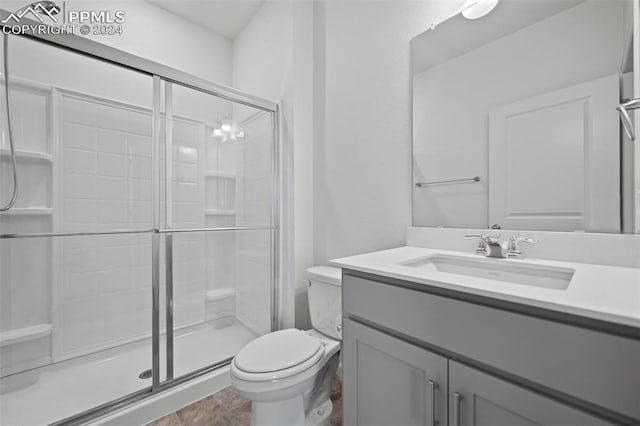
(287, 374)
(278, 355)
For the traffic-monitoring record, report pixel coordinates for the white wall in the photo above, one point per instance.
(262, 52)
(272, 58)
(362, 150)
(341, 146)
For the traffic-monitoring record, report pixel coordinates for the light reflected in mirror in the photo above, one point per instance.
(514, 118)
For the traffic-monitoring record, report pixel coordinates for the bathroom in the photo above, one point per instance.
(327, 159)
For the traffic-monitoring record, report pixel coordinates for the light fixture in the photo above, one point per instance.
(226, 130)
(475, 9)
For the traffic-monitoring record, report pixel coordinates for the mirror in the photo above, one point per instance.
(514, 118)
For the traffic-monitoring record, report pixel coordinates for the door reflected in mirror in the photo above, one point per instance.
(524, 99)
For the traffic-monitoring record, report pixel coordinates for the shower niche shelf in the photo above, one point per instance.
(12, 337)
(25, 348)
(220, 194)
(32, 156)
(220, 306)
(35, 175)
(29, 211)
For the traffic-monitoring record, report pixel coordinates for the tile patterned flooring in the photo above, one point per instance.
(228, 408)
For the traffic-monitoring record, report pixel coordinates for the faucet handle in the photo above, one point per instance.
(483, 236)
(515, 239)
(482, 243)
(513, 251)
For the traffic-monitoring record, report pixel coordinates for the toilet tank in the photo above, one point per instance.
(325, 300)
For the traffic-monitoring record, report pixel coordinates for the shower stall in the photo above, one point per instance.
(142, 249)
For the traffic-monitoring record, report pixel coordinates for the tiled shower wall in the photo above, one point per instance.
(104, 281)
(189, 258)
(96, 289)
(254, 209)
(106, 166)
(220, 205)
(104, 294)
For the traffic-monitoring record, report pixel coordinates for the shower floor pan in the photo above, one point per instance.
(67, 388)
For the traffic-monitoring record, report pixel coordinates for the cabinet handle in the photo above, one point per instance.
(456, 408)
(432, 389)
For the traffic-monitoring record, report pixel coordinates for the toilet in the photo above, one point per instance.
(287, 374)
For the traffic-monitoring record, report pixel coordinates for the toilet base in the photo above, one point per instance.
(287, 412)
(321, 415)
(290, 413)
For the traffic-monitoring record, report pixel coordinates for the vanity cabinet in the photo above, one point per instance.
(391, 382)
(509, 367)
(480, 399)
(388, 381)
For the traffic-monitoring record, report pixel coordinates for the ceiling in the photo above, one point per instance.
(224, 17)
(459, 35)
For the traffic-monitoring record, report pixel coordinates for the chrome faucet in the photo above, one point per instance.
(491, 246)
(513, 250)
(481, 249)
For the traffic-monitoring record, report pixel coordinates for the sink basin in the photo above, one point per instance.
(515, 272)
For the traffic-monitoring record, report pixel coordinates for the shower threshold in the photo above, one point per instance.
(55, 392)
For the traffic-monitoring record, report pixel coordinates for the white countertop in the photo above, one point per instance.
(608, 293)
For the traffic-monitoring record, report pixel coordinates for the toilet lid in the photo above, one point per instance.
(277, 351)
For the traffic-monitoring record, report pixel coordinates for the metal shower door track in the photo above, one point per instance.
(115, 56)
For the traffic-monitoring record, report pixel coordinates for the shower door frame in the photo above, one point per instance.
(169, 76)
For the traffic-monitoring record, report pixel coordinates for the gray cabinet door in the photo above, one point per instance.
(390, 382)
(479, 399)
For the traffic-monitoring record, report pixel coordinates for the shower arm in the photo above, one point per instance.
(627, 124)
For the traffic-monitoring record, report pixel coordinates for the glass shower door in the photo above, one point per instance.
(75, 251)
(219, 231)
(143, 241)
